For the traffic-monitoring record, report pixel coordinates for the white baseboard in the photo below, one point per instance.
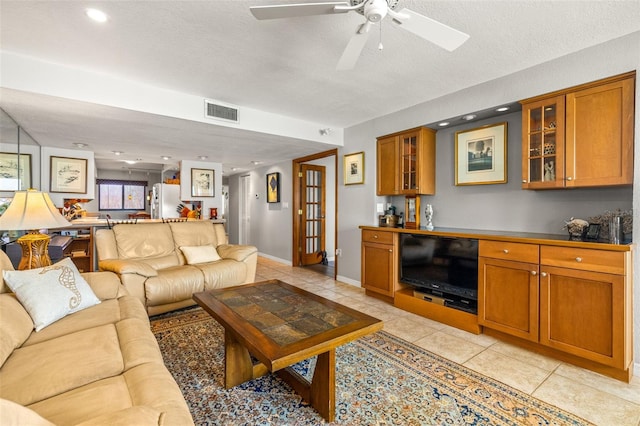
(275, 259)
(348, 281)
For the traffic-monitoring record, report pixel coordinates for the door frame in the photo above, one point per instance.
(297, 203)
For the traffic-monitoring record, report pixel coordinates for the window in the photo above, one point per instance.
(121, 194)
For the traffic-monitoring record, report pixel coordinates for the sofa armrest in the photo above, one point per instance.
(105, 285)
(127, 267)
(236, 251)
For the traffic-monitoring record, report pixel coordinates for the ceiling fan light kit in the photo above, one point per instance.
(374, 12)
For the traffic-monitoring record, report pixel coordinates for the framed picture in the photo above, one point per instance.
(354, 168)
(202, 183)
(273, 187)
(68, 175)
(15, 173)
(481, 155)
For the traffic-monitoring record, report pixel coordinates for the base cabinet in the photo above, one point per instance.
(573, 300)
(508, 295)
(379, 262)
(585, 310)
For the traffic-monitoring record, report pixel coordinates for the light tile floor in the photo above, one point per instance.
(594, 397)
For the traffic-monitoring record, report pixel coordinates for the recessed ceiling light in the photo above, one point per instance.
(233, 169)
(118, 152)
(129, 161)
(502, 109)
(96, 15)
(80, 145)
(255, 163)
(444, 123)
(469, 117)
(165, 157)
(203, 157)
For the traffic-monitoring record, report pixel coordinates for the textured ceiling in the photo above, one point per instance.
(216, 49)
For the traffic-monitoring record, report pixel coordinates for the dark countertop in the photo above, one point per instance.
(510, 236)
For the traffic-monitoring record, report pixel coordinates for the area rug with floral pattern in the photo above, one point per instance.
(380, 380)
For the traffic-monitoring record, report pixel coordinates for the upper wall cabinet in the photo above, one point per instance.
(580, 137)
(406, 163)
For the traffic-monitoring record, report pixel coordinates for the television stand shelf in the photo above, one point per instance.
(404, 299)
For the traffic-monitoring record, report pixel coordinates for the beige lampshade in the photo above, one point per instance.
(31, 210)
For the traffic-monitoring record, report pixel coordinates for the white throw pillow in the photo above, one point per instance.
(200, 254)
(52, 292)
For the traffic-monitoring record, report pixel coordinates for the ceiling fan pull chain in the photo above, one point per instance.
(380, 46)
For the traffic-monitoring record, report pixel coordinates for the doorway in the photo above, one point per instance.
(315, 212)
(245, 212)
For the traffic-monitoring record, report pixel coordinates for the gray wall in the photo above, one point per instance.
(494, 206)
(507, 207)
(271, 223)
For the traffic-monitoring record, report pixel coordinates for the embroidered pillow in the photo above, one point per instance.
(200, 254)
(52, 292)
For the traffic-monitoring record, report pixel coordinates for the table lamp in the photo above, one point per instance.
(31, 211)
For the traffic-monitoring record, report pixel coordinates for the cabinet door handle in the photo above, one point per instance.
(390, 251)
(578, 259)
(505, 251)
(375, 237)
(543, 274)
(569, 178)
(524, 181)
(534, 273)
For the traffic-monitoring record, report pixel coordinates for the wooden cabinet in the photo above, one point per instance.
(585, 304)
(573, 300)
(580, 137)
(79, 247)
(379, 262)
(406, 163)
(508, 288)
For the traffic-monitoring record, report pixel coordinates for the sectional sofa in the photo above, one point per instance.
(163, 264)
(97, 366)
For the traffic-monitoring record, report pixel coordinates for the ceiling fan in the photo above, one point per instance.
(374, 11)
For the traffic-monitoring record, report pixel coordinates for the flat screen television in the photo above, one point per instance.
(442, 265)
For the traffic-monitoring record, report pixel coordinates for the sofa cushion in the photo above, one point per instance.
(173, 285)
(12, 414)
(86, 402)
(149, 240)
(223, 273)
(52, 292)
(16, 325)
(108, 312)
(40, 371)
(194, 233)
(200, 254)
(138, 416)
(5, 265)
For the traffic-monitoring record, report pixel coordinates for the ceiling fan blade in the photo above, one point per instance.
(295, 10)
(429, 29)
(354, 48)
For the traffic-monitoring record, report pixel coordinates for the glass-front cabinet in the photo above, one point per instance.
(408, 162)
(543, 143)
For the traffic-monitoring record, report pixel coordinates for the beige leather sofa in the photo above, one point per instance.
(150, 260)
(98, 366)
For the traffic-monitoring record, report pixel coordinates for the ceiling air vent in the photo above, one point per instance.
(218, 111)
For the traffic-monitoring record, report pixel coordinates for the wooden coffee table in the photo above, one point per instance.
(281, 325)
